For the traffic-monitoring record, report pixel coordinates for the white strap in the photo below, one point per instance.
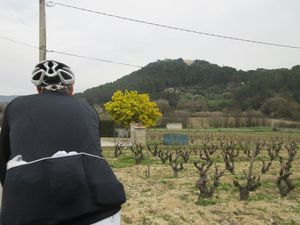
(18, 160)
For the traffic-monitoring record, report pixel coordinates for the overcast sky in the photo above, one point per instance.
(108, 38)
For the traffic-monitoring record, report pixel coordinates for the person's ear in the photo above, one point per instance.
(39, 89)
(71, 90)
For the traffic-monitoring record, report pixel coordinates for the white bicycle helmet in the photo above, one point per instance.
(50, 72)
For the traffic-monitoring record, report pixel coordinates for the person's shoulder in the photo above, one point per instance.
(18, 102)
(21, 99)
(24, 97)
(87, 105)
(82, 101)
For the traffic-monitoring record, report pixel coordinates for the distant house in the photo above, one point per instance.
(188, 62)
(171, 90)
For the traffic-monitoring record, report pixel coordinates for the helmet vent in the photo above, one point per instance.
(50, 64)
(37, 76)
(65, 75)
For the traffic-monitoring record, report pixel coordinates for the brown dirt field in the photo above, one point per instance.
(162, 199)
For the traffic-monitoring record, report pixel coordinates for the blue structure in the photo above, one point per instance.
(176, 139)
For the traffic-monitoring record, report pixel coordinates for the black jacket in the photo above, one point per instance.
(72, 190)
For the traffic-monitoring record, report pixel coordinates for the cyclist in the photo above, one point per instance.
(51, 167)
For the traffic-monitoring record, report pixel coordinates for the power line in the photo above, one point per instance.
(51, 4)
(81, 56)
(68, 53)
(18, 42)
(92, 58)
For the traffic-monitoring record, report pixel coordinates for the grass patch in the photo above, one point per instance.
(170, 219)
(183, 219)
(262, 209)
(217, 159)
(146, 190)
(296, 209)
(291, 222)
(260, 197)
(168, 183)
(164, 182)
(268, 184)
(296, 182)
(184, 198)
(123, 161)
(224, 187)
(206, 202)
(150, 161)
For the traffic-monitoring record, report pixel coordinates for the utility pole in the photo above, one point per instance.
(42, 46)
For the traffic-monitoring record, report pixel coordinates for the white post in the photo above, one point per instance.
(42, 22)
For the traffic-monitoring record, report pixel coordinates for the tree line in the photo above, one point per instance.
(202, 86)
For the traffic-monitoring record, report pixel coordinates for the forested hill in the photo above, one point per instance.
(156, 77)
(207, 85)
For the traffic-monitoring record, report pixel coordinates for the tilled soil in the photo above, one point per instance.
(163, 199)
